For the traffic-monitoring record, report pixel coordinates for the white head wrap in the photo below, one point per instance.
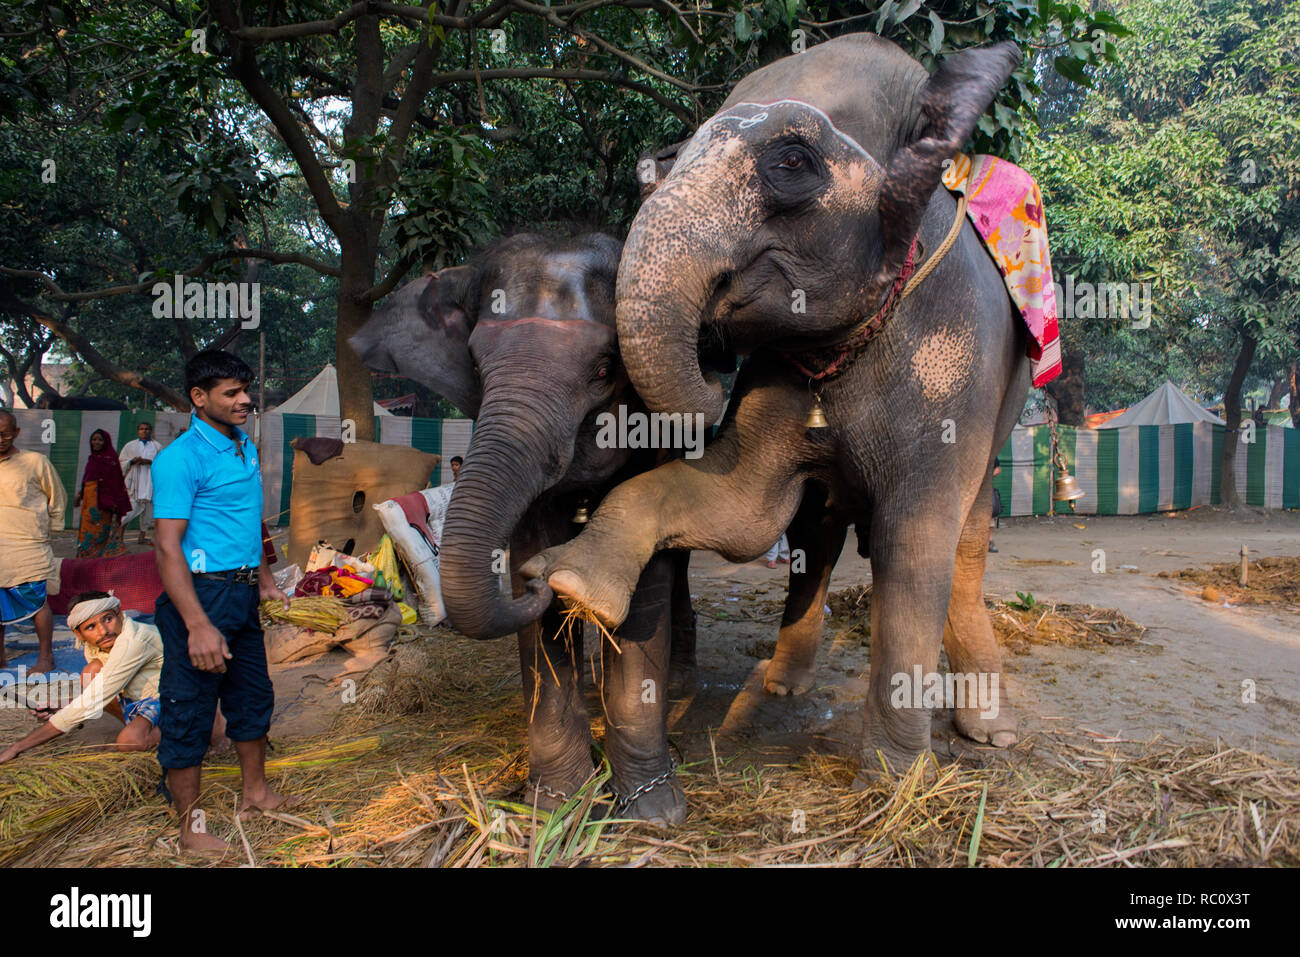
(83, 611)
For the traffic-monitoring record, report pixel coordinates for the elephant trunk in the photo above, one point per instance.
(506, 468)
(667, 279)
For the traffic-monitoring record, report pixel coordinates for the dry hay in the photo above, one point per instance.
(444, 787)
(404, 682)
(1060, 623)
(1270, 581)
(422, 793)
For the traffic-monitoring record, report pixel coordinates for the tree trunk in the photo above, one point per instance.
(356, 401)
(1228, 494)
(1295, 395)
(1070, 389)
(1280, 388)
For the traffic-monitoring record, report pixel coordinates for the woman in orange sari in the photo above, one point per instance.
(103, 501)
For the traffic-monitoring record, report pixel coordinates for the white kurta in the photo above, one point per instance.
(139, 478)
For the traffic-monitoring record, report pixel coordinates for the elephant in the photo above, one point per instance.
(523, 339)
(784, 231)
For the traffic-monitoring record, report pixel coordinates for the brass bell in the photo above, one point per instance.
(816, 416)
(1066, 489)
(580, 517)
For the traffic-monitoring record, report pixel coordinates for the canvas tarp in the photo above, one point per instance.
(334, 501)
(1167, 405)
(320, 396)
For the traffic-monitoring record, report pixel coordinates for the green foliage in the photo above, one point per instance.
(1182, 169)
(1026, 602)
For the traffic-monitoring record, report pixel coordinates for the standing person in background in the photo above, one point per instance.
(456, 463)
(103, 501)
(137, 461)
(31, 507)
(208, 508)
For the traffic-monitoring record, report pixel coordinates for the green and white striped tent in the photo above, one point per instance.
(1147, 468)
(1124, 471)
(65, 438)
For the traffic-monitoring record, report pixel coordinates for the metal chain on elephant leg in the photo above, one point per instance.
(624, 802)
(536, 786)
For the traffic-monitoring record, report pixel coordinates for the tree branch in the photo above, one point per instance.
(82, 347)
(203, 265)
(243, 66)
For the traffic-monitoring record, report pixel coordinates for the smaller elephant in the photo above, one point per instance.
(523, 339)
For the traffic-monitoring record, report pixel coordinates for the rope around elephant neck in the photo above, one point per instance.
(842, 354)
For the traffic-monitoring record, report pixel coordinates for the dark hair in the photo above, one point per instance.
(457, 458)
(87, 596)
(210, 366)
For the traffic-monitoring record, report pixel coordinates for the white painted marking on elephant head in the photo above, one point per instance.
(856, 180)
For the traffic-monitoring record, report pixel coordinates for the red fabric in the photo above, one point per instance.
(104, 468)
(416, 509)
(268, 546)
(133, 579)
(313, 583)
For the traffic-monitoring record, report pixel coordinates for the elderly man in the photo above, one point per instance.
(137, 460)
(123, 662)
(31, 507)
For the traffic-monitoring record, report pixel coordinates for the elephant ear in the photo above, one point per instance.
(422, 332)
(653, 168)
(951, 102)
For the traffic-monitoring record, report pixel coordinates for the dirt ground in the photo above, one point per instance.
(1182, 681)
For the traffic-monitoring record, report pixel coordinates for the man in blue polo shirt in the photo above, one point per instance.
(208, 514)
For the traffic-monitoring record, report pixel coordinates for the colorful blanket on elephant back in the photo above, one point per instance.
(1004, 204)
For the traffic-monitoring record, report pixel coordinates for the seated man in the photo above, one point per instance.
(123, 663)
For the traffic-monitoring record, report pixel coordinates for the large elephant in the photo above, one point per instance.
(523, 339)
(783, 231)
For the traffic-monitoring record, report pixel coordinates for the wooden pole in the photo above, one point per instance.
(1245, 567)
(261, 387)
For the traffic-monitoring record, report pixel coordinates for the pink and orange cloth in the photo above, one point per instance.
(1006, 208)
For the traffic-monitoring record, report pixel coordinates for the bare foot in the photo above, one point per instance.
(267, 800)
(201, 842)
(220, 744)
(43, 664)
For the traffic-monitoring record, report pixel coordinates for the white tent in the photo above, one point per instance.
(1167, 405)
(320, 396)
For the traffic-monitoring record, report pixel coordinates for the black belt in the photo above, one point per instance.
(239, 576)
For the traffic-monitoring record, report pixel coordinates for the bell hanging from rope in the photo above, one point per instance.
(580, 517)
(816, 416)
(1066, 489)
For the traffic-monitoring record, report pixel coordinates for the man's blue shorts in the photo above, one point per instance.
(148, 708)
(189, 696)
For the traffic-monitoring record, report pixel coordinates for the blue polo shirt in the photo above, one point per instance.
(201, 478)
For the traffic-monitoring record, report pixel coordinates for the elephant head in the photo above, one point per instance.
(523, 340)
(791, 211)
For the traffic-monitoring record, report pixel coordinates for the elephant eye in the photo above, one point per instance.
(791, 160)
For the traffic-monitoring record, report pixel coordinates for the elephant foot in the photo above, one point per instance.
(786, 677)
(876, 766)
(606, 602)
(549, 791)
(660, 801)
(1000, 730)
